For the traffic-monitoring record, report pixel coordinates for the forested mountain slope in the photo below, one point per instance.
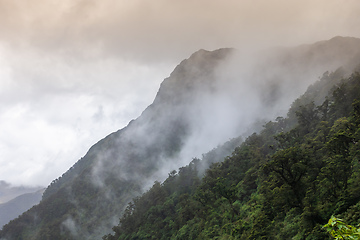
(87, 200)
(282, 183)
(208, 99)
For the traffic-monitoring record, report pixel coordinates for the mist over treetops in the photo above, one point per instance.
(239, 145)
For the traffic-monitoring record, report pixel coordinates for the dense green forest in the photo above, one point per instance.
(284, 182)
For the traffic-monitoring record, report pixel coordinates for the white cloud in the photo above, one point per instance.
(73, 71)
(52, 110)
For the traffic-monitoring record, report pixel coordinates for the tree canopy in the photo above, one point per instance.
(284, 182)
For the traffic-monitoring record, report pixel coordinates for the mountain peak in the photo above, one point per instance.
(192, 73)
(185, 118)
(201, 60)
(218, 53)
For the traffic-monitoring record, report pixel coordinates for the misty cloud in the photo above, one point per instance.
(207, 99)
(161, 29)
(60, 61)
(244, 90)
(49, 110)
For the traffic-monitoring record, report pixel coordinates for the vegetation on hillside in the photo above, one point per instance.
(282, 183)
(338, 229)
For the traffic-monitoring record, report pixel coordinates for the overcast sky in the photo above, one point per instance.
(73, 71)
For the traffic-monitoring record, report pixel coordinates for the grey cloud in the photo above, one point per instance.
(160, 30)
(47, 104)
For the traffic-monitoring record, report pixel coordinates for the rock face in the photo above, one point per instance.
(201, 104)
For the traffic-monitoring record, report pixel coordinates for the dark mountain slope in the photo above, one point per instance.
(208, 99)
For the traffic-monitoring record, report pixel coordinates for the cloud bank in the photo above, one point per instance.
(71, 72)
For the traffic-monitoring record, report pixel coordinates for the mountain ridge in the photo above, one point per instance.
(167, 134)
(94, 174)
